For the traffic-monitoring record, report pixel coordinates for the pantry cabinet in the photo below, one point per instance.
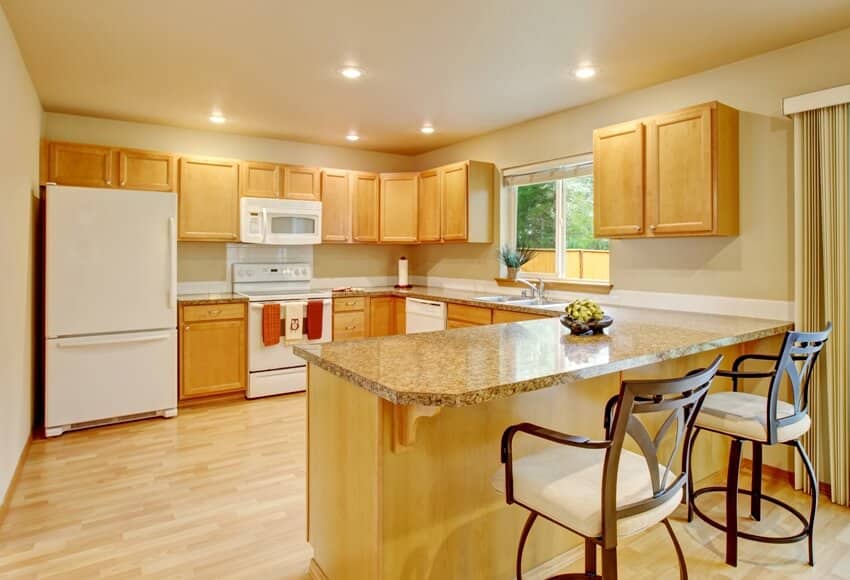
(399, 207)
(208, 199)
(336, 206)
(365, 206)
(258, 179)
(302, 183)
(213, 349)
(669, 175)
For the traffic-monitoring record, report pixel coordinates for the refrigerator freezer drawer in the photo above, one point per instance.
(93, 378)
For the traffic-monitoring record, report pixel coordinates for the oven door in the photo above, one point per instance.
(279, 356)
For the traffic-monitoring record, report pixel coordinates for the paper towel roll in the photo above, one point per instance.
(402, 272)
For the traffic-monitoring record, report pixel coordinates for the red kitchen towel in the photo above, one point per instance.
(315, 309)
(271, 324)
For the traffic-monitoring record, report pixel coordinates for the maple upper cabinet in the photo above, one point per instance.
(430, 206)
(303, 183)
(674, 174)
(692, 172)
(365, 206)
(208, 199)
(399, 207)
(145, 170)
(81, 165)
(336, 206)
(259, 179)
(618, 184)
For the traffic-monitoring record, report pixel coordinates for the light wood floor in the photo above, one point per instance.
(219, 493)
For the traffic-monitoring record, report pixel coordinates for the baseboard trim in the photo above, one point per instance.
(13, 484)
(783, 475)
(554, 565)
(316, 572)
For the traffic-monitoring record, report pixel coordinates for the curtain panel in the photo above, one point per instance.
(822, 214)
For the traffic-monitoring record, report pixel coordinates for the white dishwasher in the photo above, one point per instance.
(424, 315)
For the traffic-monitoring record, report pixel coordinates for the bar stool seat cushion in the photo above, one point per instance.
(565, 484)
(745, 415)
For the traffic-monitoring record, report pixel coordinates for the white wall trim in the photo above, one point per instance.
(816, 100)
(732, 306)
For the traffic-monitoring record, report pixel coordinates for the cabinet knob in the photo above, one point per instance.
(186, 327)
(652, 227)
(636, 228)
(350, 327)
(214, 312)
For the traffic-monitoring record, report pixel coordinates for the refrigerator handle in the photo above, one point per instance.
(172, 263)
(97, 341)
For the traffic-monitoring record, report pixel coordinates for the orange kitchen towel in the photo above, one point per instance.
(271, 324)
(315, 310)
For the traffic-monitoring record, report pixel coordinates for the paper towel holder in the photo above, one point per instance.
(403, 286)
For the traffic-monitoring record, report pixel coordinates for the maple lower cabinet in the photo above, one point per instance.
(399, 207)
(302, 183)
(365, 212)
(208, 200)
(81, 165)
(618, 184)
(400, 313)
(350, 317)
(213, 349)
(674, 174)
(336, 206)
(692, 172)
(381, 316)
(258, 179)
(430, 207)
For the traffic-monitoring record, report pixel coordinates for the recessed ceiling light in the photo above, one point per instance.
(353, 137)
(217, 118)
(584, 72)
(351, 72)
(427, 129)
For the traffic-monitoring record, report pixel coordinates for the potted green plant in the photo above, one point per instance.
(516, 258)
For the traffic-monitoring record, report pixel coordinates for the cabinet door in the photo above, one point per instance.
(208, 200)
(302, 183)
(618, 189)
(212, 358)
(364, 190)
(399, 207)
(259, 179)
(454, 186)
(81, 165)
(145, 170)
(400, 307)
(336, 206)
(381, 316)
(680, 189)
(430, 206)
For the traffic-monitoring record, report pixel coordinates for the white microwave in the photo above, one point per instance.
(282, 222)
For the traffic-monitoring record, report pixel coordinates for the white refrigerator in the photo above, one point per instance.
(110, 306)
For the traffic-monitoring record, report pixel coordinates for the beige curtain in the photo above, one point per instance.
(822, 157)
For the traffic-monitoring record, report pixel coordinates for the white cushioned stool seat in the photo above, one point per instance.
(565, 484)
(745, 415)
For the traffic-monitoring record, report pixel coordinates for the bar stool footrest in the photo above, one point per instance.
(746, 535)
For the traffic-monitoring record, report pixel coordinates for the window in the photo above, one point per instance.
(552, 212)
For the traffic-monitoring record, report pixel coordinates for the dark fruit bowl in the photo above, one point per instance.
(592, 327)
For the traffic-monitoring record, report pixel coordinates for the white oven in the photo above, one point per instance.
(274, 369)
(280, 221)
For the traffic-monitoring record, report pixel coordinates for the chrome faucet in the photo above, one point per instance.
(537, 291)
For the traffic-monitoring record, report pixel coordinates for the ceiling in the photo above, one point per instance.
(466, 66)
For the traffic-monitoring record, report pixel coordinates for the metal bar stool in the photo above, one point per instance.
(761, 421)
(599, 490)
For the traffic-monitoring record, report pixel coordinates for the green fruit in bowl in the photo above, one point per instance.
(583, 310)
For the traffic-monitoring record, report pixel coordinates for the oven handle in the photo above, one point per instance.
(325, 301)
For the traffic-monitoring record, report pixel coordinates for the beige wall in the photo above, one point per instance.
(20, 127)
(756, 264)
(199, 262)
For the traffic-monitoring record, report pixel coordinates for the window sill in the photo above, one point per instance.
(566, 285)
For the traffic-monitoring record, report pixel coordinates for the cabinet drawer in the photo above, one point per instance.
(349, 325)
(471, 314)
(202, 312)
(349, 304)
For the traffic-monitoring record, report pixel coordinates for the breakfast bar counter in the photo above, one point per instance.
(404, 431)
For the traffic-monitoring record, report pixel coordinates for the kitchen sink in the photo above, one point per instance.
(520, 301)
(498, 298)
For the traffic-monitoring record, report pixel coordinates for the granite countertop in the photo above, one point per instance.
(466, 297)
(469, 366)
(213, 298)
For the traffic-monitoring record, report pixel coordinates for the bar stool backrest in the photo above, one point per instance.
(797, 360)
(677, 401)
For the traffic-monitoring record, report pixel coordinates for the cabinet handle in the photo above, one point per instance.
(350, 327)
(214, 312)
(652, 227)
(636, 228)
(350, 303)
(186, 327)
